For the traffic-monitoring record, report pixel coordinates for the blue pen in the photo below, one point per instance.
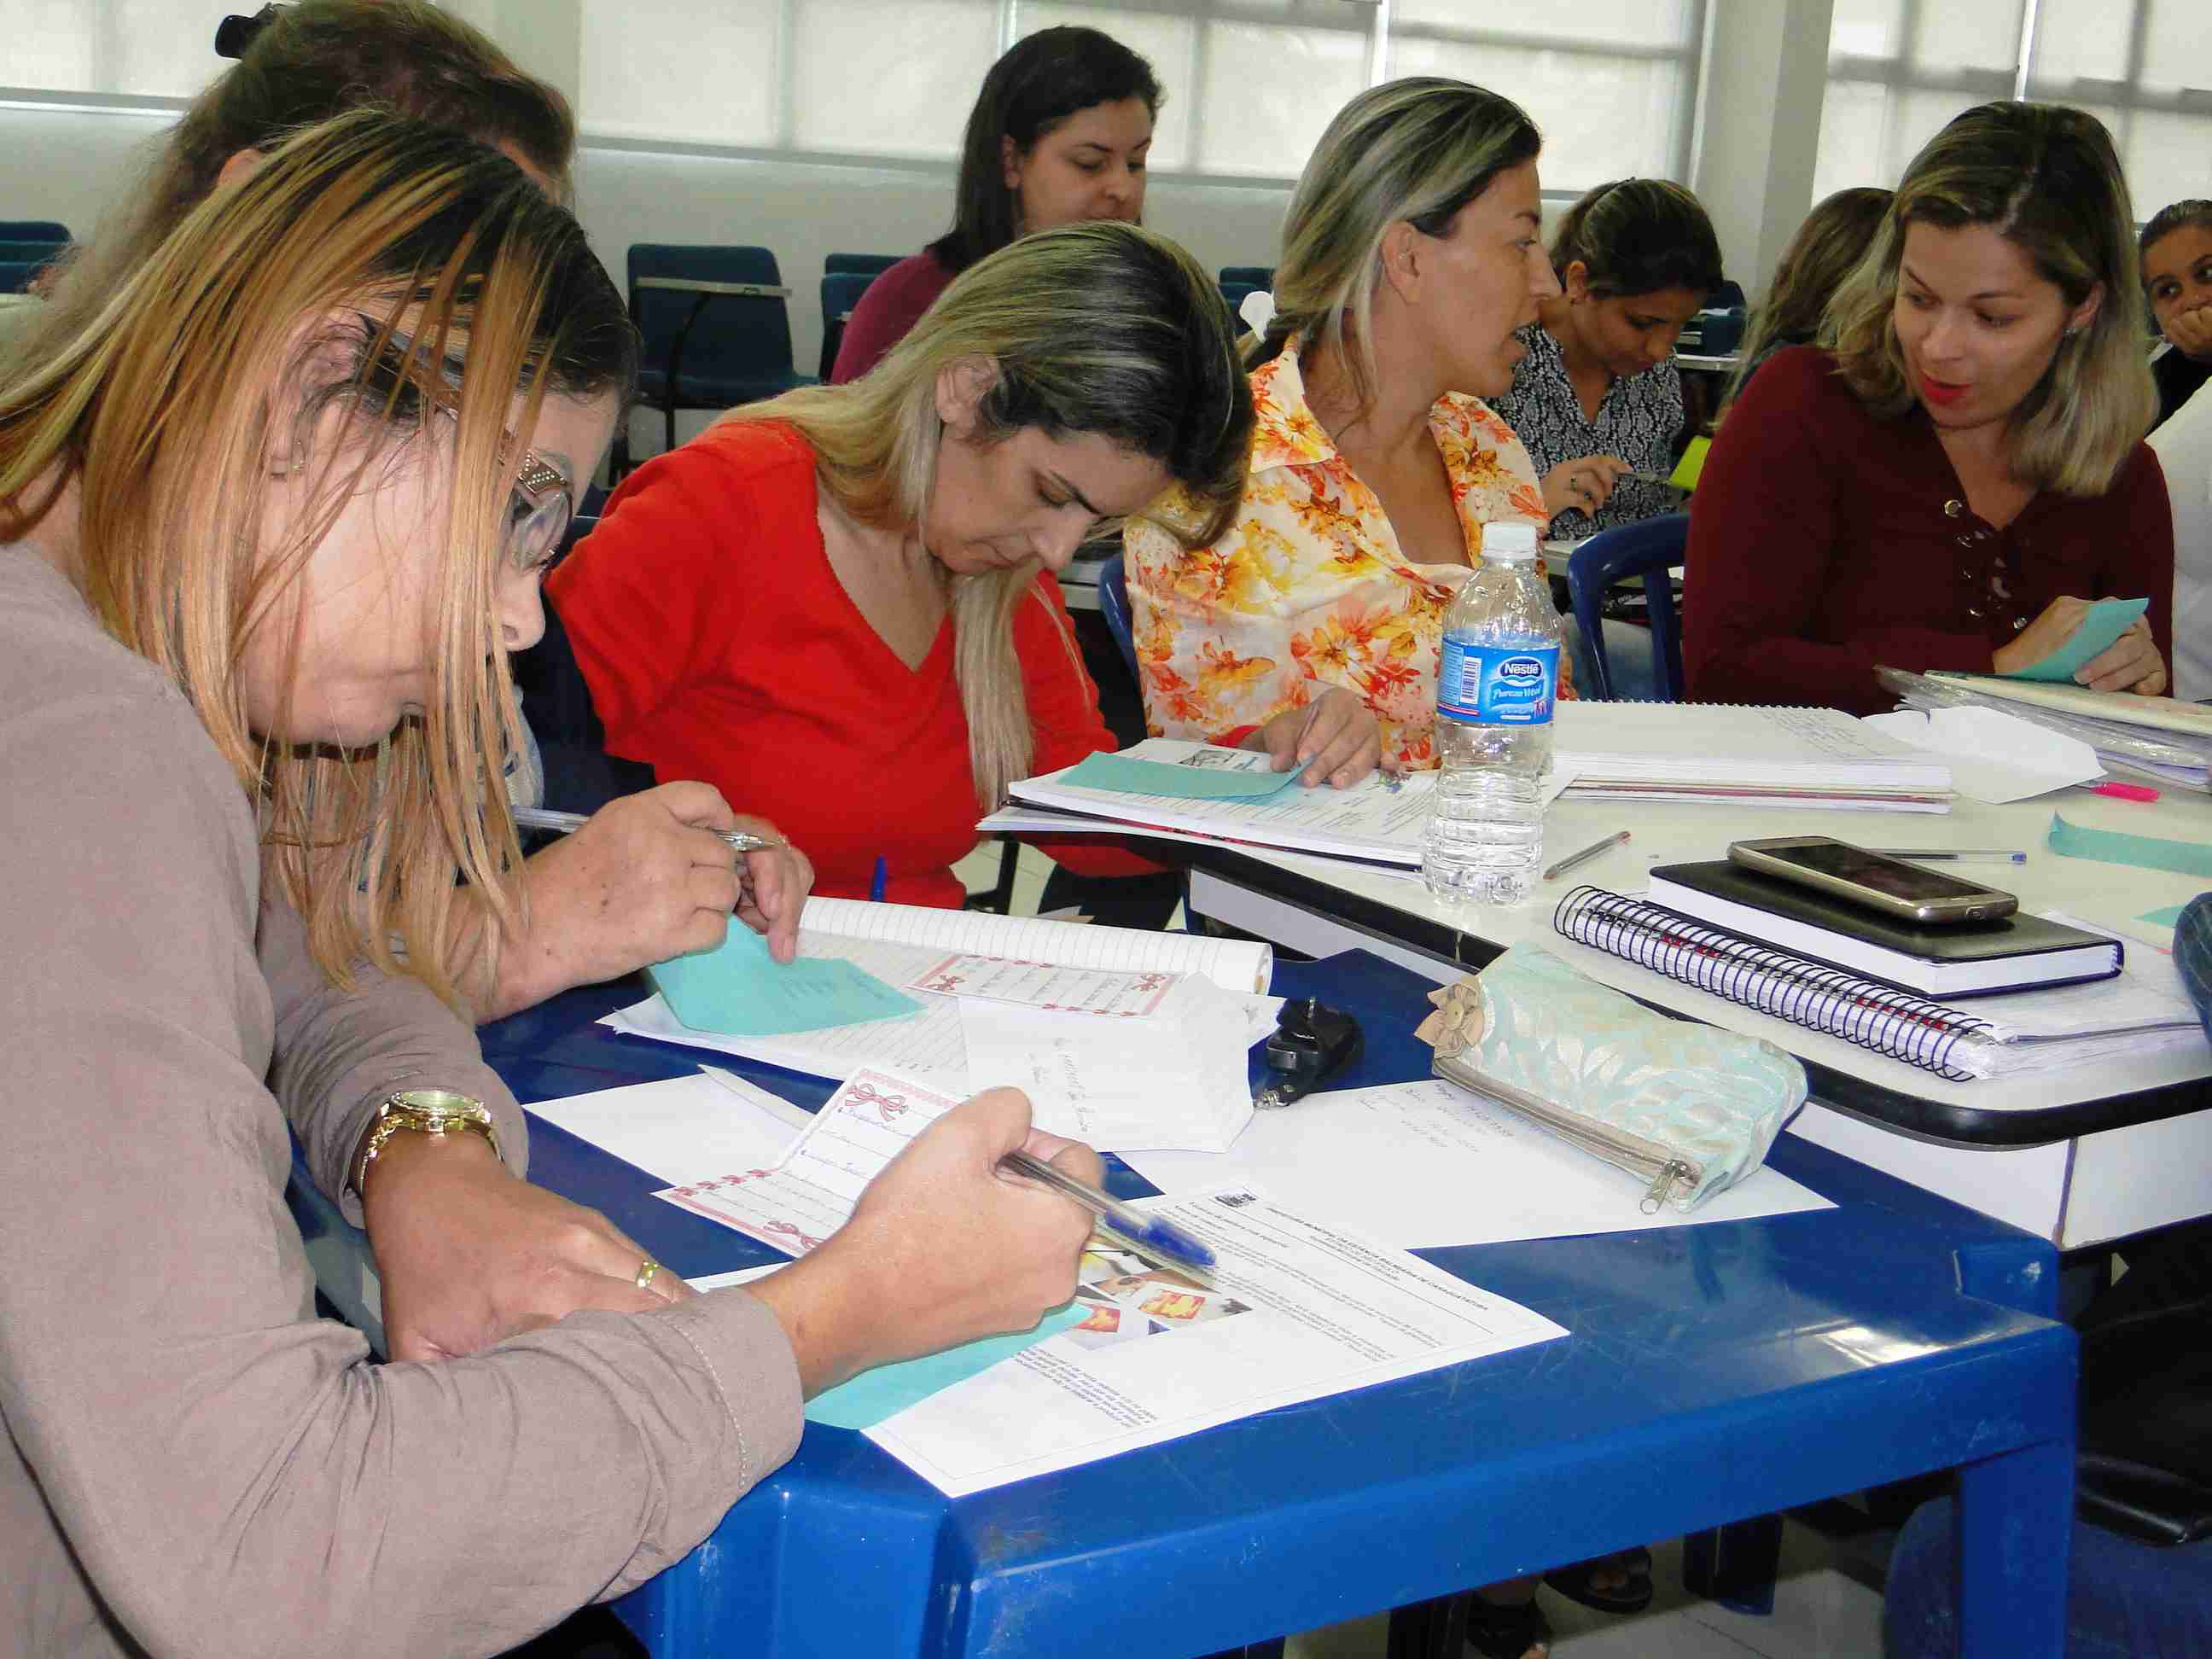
(879, 881)
(1154, 1235)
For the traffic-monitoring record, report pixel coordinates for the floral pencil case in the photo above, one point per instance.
(1689, 1108)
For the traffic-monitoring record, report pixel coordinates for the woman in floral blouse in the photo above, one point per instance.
(1411, 255)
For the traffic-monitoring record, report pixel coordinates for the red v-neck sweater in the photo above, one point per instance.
(720, 645)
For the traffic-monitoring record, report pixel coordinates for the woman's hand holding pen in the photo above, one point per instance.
(647, 877)
(943, 1247)
(1335, 739)
(1582, 483)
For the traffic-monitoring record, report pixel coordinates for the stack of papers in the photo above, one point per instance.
(1994, 757)
(2156, 737)
(1755, 756)
(1120, 1038)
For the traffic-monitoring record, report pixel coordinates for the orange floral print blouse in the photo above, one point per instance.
(1309, 588)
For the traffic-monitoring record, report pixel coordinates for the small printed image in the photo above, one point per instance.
(1236, 1200)
(1127, 1299)
(1219, 760)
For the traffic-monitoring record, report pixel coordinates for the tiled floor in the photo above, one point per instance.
(1827, 1603)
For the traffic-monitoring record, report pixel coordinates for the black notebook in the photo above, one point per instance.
(2018, 953)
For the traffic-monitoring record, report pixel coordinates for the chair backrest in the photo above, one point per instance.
(1234, 295)
(16, 274)
(867, 265)
(34, 230)
(1113, 606)
(738, 346)
(31, 249)
(1648, 548)
(840, 292)
(1249, 276)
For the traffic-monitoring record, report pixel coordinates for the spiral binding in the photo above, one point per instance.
(1827, 1000)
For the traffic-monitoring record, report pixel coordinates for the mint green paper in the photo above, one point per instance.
(865, 1401)
(2188, 857)
(1144, 777)
(739, 990)
(2169, 917)
(2107, 620)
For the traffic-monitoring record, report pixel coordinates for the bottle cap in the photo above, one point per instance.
(1510, 542)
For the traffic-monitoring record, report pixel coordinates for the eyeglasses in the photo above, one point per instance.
(537, 514)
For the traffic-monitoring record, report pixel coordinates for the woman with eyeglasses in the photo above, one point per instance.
(269, 526)
(1957, 472)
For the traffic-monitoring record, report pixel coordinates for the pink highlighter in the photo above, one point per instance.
(2124, 790)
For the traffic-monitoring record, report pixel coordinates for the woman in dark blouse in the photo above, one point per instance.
(1598, 393)
(1950, 479)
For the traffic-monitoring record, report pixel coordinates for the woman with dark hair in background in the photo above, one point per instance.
(1598, 393)
(2177, 275)
(1059, 135)
(1812, 268)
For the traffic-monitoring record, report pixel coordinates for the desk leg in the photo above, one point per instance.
(2016, 1522)
(1429, 1629)
(1736, 1565)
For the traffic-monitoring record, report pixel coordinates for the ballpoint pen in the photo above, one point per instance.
(1618, 838)
(1949, 854)
(1149, 1235)
(567, 823)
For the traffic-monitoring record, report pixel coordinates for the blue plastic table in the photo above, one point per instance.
(1714, 1373)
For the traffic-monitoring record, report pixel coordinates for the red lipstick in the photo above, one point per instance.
(1940, 392)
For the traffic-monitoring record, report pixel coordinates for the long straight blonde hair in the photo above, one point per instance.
(1102, 328)
(1418, 150)
(416, 283)
(2046, 180)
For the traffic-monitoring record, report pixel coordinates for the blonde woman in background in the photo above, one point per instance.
(266, 536)
(1411, 255)
(1958, 470)
(1834, 237)
(832, 601)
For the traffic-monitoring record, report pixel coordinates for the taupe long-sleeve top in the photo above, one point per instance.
(196, 1464)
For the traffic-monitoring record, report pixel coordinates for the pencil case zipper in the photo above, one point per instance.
(1654, 1161)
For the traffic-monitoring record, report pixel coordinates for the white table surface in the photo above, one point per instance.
(2076, 1191)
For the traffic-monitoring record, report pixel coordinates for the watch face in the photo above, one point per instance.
(439, 1102)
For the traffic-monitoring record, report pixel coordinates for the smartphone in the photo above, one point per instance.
(1893, 887)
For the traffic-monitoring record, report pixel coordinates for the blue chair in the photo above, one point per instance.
(1113, 606)
(22, 260)
(840, 292)
(1249, 276)
(34, 230)
(16, 274)
(860, 264)
(715, 330)
(1646, 549)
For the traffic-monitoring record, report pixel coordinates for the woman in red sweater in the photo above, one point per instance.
(1957, 472)
(1059, 135)
(829, 605)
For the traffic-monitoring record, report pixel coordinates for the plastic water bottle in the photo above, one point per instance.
(1495, 685)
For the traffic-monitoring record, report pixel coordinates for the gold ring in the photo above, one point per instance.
(646, 1269)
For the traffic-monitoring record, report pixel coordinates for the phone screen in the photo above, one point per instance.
(1871, 871)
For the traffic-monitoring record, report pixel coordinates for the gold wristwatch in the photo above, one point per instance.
(424, 1111)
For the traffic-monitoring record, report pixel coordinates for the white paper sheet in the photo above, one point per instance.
(1298, 1308)
(1993, 757)
(1426, 1163)
(679, 1128)
(1178, 1079)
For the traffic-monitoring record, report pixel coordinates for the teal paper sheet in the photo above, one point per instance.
(1143, 777)
(866, 1400)
(2107, 620)
(740, 990)
(2188, 857)
(2169, 917)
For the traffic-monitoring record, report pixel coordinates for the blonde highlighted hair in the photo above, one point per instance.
(1101, 328)
(2046, 180)
(408, 284)
(1418, 150)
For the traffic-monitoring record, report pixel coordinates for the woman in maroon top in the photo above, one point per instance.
(1957, 472)
(1059, 135)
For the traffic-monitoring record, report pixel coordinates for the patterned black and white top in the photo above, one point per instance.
(1638, 421)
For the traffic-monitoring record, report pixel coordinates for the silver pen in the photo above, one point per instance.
(1948, 855)
(1620, 838)
(567, 823)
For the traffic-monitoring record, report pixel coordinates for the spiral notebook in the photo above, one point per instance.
(1746, 754)
(2029, 1031)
